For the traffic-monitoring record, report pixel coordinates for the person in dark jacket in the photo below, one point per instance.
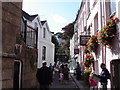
(104, 76)
(78, 71)
(66, 74)
(44, 77)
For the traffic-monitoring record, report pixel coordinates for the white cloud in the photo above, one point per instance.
(59, 19)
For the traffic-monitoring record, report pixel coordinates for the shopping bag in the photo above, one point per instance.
(95, 78)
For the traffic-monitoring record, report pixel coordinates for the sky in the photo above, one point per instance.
(57, 13)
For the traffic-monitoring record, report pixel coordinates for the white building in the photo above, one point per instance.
(45, 46)
(39, 32)
(92, 17)
(31, 31)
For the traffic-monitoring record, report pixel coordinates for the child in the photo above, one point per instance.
(92, 83)
(60, 75)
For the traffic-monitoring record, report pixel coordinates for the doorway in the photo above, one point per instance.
(115, 74)
(17, 75)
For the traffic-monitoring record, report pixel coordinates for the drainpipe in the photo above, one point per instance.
(25, 32)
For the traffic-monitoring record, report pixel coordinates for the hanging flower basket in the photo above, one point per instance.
(86, 51)
(107, 33)
(92, 43)
(88, 60)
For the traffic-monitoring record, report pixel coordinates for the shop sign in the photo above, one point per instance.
(84, 39)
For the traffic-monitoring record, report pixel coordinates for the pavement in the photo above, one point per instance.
(79, 83)
(72, 84)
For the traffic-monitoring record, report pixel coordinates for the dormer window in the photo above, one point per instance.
(44, 31)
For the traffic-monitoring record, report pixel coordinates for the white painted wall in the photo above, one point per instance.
(72, 47)
(43, 41)
(48, 44)
(108, 54)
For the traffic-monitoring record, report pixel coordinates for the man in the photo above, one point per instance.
(44, 77)
(78, 71)
(104, 76)
(51, 67)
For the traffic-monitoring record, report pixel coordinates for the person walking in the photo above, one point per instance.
(44, 77)
(61, 74)
(51, 67)
(78, 71)
(66, 74)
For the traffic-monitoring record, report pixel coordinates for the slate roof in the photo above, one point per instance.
(43, 22)
(29, 17)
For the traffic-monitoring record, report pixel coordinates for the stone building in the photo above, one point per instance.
(18, 60)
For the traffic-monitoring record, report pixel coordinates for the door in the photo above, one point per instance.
(115, 74)
(17, 75)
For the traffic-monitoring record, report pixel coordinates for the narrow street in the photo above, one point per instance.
(56, 84)
(81, 37)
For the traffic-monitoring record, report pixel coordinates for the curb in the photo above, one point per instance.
(74, 81)
(79, 84)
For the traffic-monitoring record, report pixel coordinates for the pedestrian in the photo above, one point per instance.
(44, 77)
(93, 84)
(61, 74)
(104, 76)
(51, 67)
(78, 71)
(66, 74)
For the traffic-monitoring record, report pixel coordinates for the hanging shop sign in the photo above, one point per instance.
(84, 39)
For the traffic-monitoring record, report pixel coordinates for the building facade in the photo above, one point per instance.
(93, 16)
(45, 45)
(18, 60)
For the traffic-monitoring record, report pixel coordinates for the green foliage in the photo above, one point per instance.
(107, 33)
(86, 75)
(55, 42)
(32, 61)
(68, 31)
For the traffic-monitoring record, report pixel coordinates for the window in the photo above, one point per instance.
(112, 7)
(43, 53)
(44, 31)
(31, 36)
(88, 7)
(96, 24)
(23, 29)
(36, 25)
